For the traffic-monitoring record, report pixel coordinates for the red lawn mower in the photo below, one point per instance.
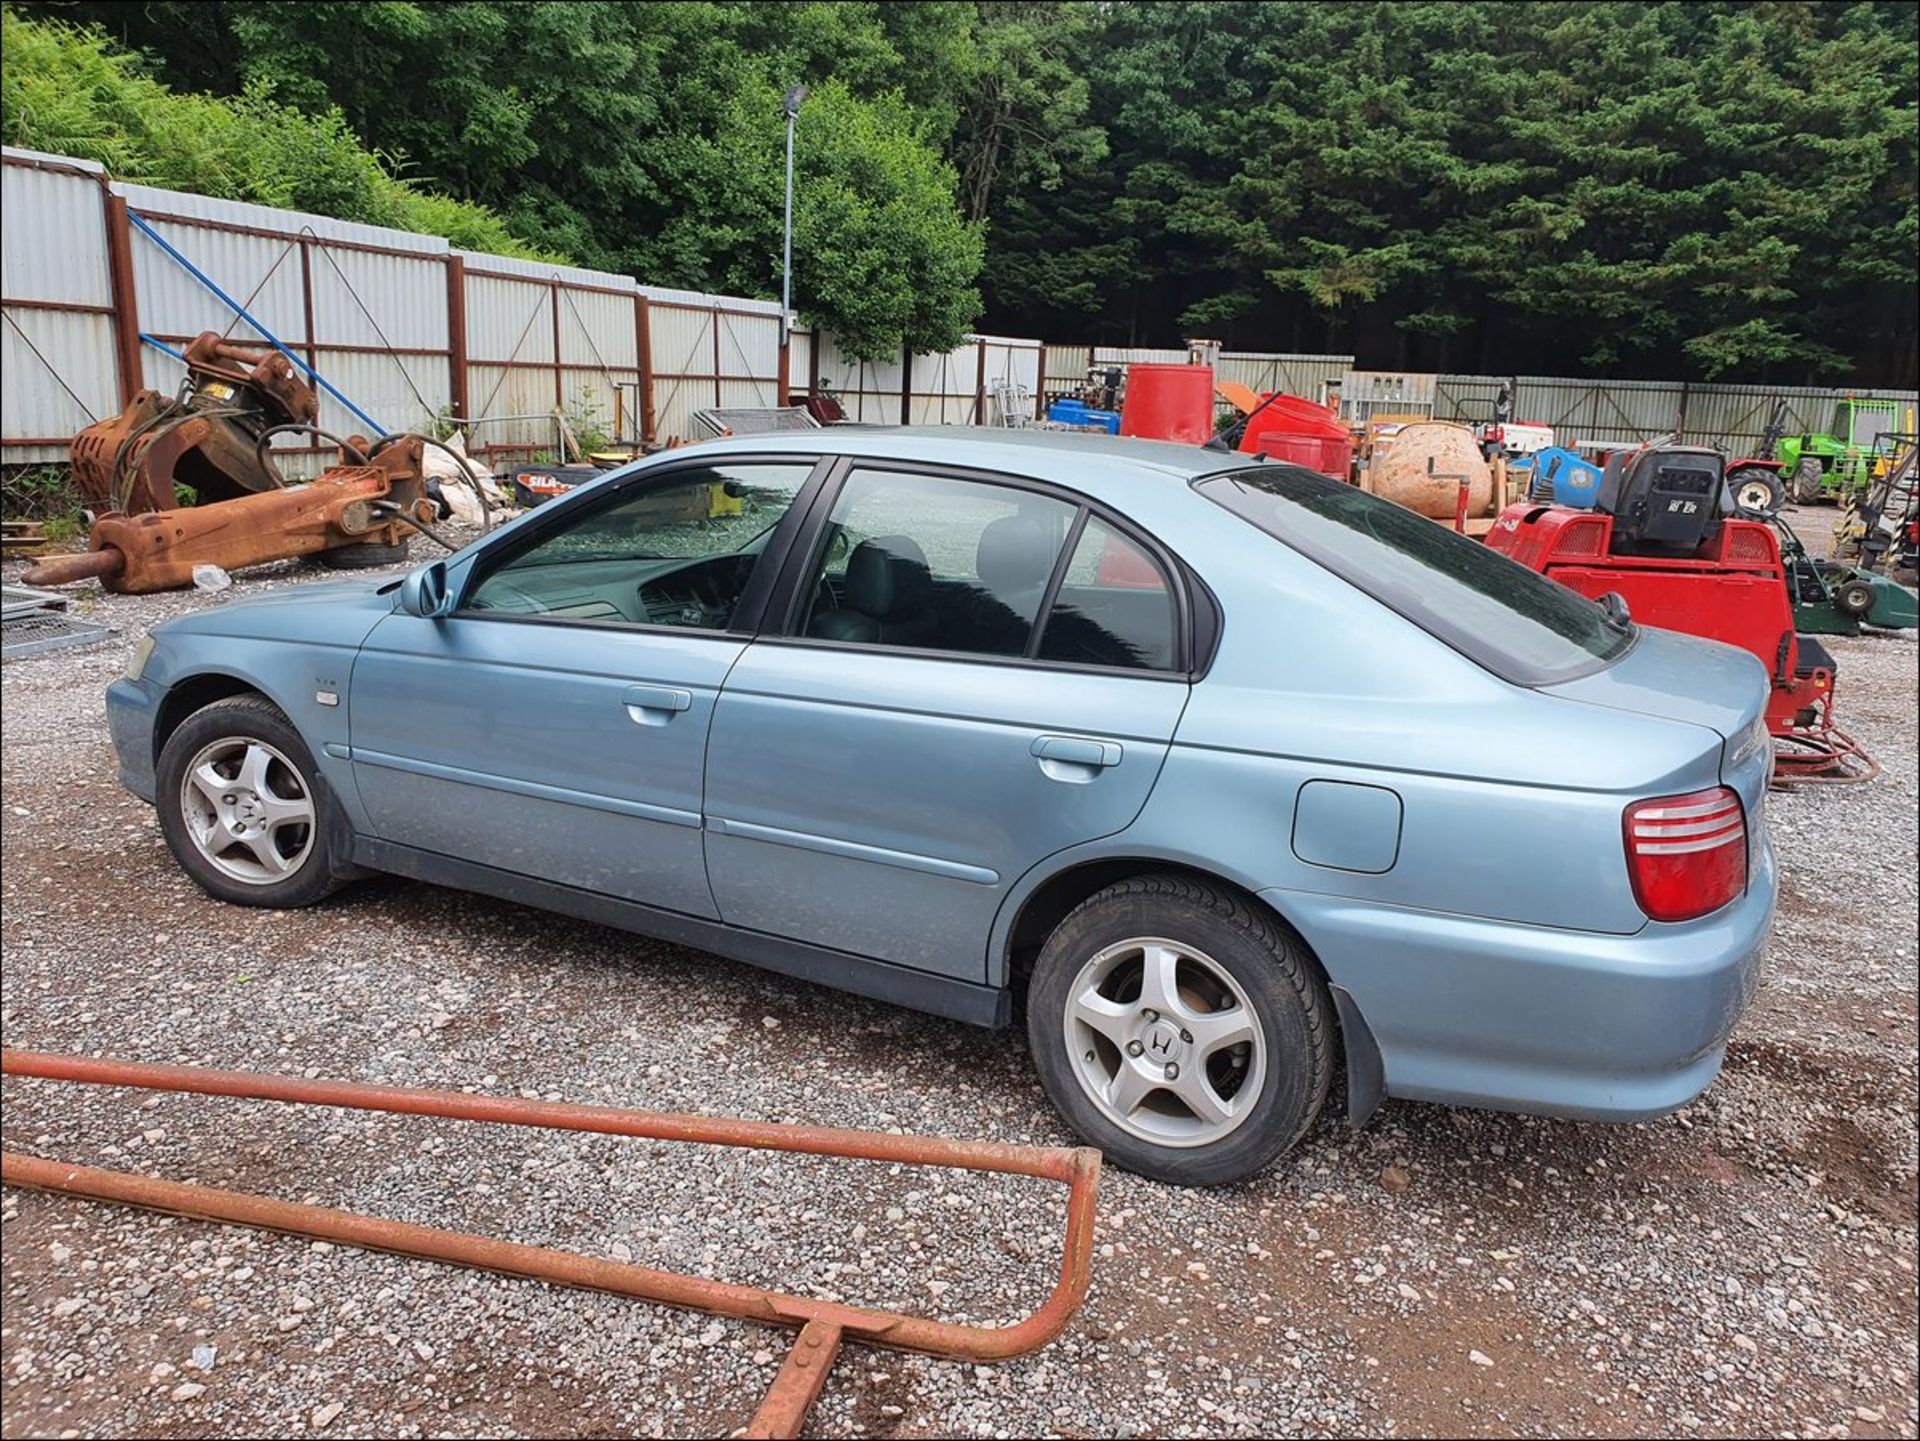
(1667, 538)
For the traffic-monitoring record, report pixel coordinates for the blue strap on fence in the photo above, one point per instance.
(200, 275)
(163, 347)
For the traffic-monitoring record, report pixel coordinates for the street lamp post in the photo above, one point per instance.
(794, 99)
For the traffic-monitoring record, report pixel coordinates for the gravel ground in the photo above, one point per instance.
(1745, 1266)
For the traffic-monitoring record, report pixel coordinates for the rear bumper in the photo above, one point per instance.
(1523, 1018)
(131, 708)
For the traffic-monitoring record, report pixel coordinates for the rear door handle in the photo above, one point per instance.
(652, 705)
(1078, 751)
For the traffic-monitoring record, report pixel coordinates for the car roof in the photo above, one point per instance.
(1055, 455)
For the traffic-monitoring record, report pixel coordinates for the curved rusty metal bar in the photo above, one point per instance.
(1077, 1168)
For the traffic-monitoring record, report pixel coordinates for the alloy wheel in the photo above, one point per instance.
(248, 810)
(1165, 1042)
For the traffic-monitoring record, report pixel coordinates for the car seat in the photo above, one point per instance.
(885, 596)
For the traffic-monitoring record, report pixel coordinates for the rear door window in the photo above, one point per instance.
(930, 562)
(1515, 622)
(1115, 606)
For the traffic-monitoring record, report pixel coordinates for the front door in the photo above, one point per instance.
(961, 694)
(555, 725)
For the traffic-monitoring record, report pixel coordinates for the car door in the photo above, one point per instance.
(955, 696)
(555, 723)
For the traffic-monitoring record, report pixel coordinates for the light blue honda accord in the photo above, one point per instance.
(1232, 777)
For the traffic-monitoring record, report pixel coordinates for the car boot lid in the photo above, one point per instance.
(1678, 677)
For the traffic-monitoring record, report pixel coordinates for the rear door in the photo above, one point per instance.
(555, 725)
(975, 673)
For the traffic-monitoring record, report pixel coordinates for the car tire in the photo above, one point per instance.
(1110, 1042)
(1808, 485)
(244, 809)
(362, 555)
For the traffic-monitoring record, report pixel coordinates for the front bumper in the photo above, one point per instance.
(1523, 1018)
(132, 707)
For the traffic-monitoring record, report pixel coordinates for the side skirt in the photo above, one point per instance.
(957, 1000)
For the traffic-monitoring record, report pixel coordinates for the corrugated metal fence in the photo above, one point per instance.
(1600, 414)
(1595, 414)
(104, 283)
(1308, 375)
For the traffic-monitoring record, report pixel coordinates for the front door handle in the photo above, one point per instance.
(1075, 758)
(653, 705)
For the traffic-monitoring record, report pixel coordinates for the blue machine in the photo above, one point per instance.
(1078, 412)
(1561, 476)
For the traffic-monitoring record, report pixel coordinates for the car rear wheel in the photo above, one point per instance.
(1181, 1030)
(243, 808)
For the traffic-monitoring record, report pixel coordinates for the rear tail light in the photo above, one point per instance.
(1687, 854)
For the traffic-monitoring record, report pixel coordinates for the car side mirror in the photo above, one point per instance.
(424, 592)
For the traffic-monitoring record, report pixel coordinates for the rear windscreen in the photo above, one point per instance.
(1518, 624)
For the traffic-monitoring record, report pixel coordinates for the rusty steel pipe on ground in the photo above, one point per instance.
(823, 1324)
(158, 550)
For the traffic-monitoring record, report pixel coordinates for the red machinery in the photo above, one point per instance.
(1288, 428)
(1664, 541)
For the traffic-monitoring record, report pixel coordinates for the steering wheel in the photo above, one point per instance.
(700, 595)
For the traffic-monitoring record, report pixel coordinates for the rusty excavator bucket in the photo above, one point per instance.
(214, 438)
(207, 438)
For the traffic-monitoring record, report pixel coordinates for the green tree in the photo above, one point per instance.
(644, 138)
(882, 258)
(1703, 189)
(67, 91)
(1631, 187)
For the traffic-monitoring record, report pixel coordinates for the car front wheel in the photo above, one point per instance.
(1181, 1030)
(243, 808)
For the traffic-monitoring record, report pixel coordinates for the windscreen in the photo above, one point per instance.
(1518, 624)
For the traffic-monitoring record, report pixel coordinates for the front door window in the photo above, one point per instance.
(675, 552)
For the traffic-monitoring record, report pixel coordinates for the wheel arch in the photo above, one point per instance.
(1040, 907)
(192, 692)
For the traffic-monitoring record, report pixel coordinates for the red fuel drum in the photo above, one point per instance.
(1169, 402)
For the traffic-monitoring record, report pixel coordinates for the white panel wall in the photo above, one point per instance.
(54, 244)
(53, 249)
(381, 331)
(75, 353)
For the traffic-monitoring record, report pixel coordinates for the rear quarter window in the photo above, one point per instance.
(1511, 620)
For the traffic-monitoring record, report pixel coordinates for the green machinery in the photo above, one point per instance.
(1835, 599)
(1833, 464)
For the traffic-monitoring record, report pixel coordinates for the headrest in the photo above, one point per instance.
(887, 576)
(1016, 555)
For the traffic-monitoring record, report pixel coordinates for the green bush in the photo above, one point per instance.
(40, 492)
(69, 91)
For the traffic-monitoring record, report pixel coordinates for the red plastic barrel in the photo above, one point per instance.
(1301, 433)
(1169, 402)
